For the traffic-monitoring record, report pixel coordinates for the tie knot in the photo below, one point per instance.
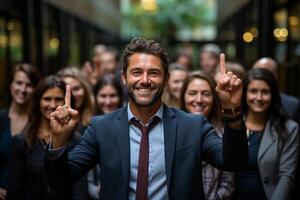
(143, 128)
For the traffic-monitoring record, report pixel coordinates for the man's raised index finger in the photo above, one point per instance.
(68, 96)
(222, 63)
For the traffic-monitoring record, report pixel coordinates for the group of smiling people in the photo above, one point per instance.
(273, 140)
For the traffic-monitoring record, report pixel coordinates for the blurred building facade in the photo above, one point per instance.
(52, 34)
(250, 29)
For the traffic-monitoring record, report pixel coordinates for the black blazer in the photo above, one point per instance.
(189, 139)
(27, 176)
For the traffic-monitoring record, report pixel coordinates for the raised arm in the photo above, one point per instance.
(229, 90)
(235, 147)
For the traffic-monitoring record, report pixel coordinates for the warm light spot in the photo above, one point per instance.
(276, 32)
(281, 34)
(248, 37)
(284, 32)
(149, 5)
(54, 43)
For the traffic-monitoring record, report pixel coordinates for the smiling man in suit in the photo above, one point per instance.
(147, 150)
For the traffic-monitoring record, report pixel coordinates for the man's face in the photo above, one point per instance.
(144, 79)
(208, 62)
(108, 62)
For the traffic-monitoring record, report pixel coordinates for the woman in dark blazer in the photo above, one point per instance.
(273, 141)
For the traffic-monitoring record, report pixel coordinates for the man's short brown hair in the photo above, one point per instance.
(141, 45)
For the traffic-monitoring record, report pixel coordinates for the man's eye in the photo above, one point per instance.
(136, 73)
(154, 73)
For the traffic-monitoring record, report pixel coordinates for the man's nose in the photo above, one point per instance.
(145, 78)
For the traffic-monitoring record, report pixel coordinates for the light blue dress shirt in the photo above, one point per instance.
(157, 181)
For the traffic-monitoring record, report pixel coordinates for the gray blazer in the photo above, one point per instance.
(277, 161)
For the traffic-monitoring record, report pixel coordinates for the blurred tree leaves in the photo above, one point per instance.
(167, 19)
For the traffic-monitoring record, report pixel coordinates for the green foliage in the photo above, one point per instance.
(169, 17)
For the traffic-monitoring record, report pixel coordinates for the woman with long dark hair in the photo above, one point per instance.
(23, 79)
(27, 176)
(273, 141)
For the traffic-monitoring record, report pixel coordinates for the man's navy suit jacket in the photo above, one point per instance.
(189, 139)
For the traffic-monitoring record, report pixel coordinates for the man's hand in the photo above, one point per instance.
(229, 87)
(63, 121)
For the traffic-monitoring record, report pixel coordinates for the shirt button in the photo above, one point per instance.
(266, 179)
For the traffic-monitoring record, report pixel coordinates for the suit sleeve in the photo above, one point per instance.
(287, 166)
(70, 167)
(229, 153)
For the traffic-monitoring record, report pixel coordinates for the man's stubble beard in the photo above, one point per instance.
(156, 97)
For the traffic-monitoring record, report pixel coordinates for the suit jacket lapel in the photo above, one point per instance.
(122, 134)
(170, 132)
(266, 141)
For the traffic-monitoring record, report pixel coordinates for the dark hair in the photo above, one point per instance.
(184, 53)
(32, 73)
(112, 51)
(215, 116)
(35, 114)
(275, 112)
(108, 79)
(141, 45)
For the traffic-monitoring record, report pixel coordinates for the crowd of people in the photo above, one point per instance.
(214, 131)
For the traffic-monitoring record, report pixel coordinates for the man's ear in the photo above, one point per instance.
(123, 75)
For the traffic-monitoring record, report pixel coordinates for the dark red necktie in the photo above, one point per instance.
(142, 178)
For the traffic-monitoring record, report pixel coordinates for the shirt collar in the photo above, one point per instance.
(159, 113)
